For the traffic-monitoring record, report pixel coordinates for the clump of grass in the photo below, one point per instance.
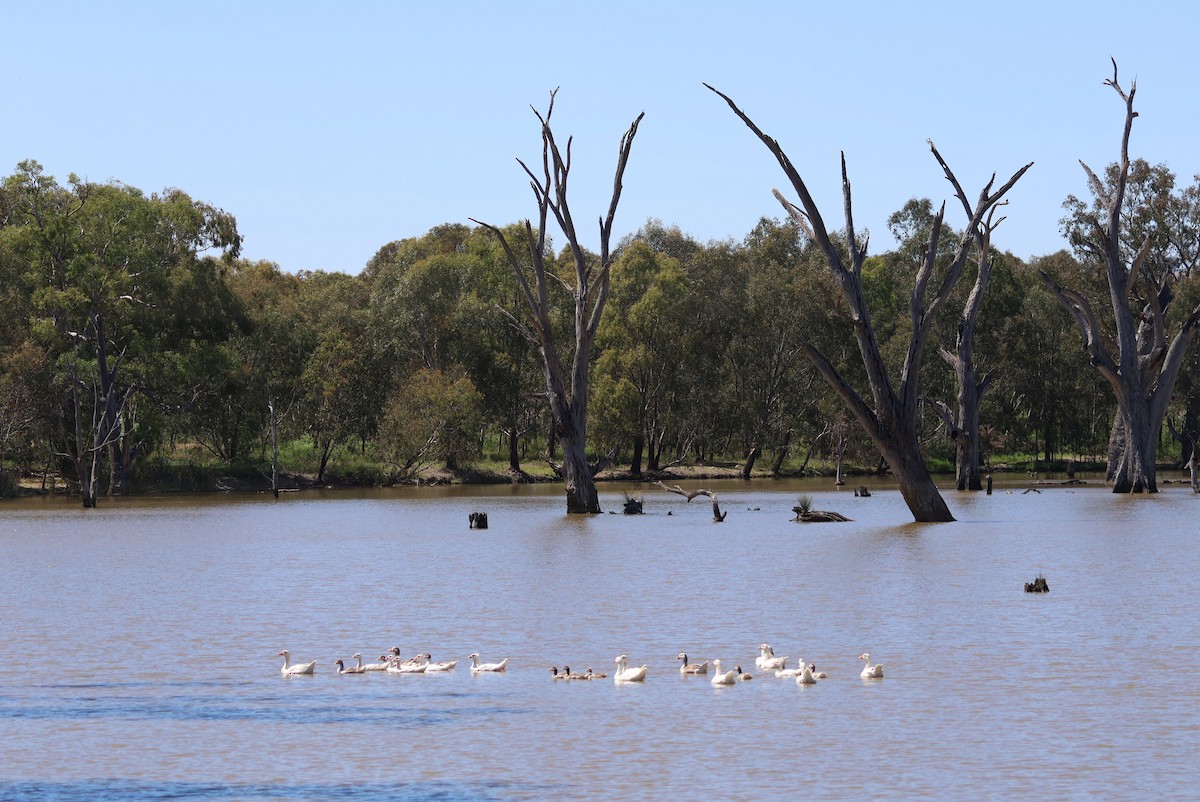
(804, 504)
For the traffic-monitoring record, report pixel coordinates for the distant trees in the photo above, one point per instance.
(112, 275)
(137, 342)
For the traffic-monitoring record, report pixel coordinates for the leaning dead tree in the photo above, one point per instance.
(891, 420)
(1138, 362)
(567, 394)
(718, 516)
(963, 423)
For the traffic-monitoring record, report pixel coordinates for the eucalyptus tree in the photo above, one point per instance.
(271, 355)
(770, 386)
(109, 269)
(641, 343)
(500, 360)
(892, 420)
(341, 380)
(567, 395)
(433, 416)
(1136, 360)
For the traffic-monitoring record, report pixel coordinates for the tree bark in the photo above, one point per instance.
(781, 453)
(567, 393)
(891, 421)
(514, 451)
(274, 446)
(751, 458)
(635, 464)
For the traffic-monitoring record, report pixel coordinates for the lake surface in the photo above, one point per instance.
(140, 639)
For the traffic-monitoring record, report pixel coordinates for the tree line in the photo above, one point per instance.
(136, 337)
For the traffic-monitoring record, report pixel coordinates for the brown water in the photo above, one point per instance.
(139, 644)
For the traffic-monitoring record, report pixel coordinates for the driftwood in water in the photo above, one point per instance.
(806, 514)
(817, 516)
(718, 516)
(478, 520)
(1038, 585)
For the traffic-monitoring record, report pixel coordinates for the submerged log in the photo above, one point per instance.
(817, 516)
(718, 516)
(478, 520)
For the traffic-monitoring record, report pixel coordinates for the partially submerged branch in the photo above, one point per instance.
(718, 516)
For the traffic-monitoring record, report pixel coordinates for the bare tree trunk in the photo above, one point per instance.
(781, 453)
(891, 421)
(274, 446)
(964, 428)
(567, 394)
(751, 458)
(1145, 367)
(514, 451)
(639, 446)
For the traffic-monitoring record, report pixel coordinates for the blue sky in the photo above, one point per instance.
(329, 130)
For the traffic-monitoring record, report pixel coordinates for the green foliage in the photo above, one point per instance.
(434, 416)
(421, 359)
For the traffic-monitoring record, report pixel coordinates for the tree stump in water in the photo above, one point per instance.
(478, 520)
(817, 516)
(861, 490)
(807, 515)
(1038, 585)
(633, 506)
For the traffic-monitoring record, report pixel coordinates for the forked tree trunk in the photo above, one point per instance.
(891, 422)
(964, 428)
(567, 394)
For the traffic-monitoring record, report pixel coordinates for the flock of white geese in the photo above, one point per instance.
(804, 673)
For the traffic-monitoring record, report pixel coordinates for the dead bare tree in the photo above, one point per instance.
(568, 397)
(963, 424)
(891, 421)
(1145, 367)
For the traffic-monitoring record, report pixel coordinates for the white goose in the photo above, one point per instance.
(767, 660)
(445, 665)
(691, 668)
(380, 666)
(477, 667)
(805, 677)
(626, 674)
(870, 671)
(398, 666)
(790, 673)
(722, 677)
(290, 670)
